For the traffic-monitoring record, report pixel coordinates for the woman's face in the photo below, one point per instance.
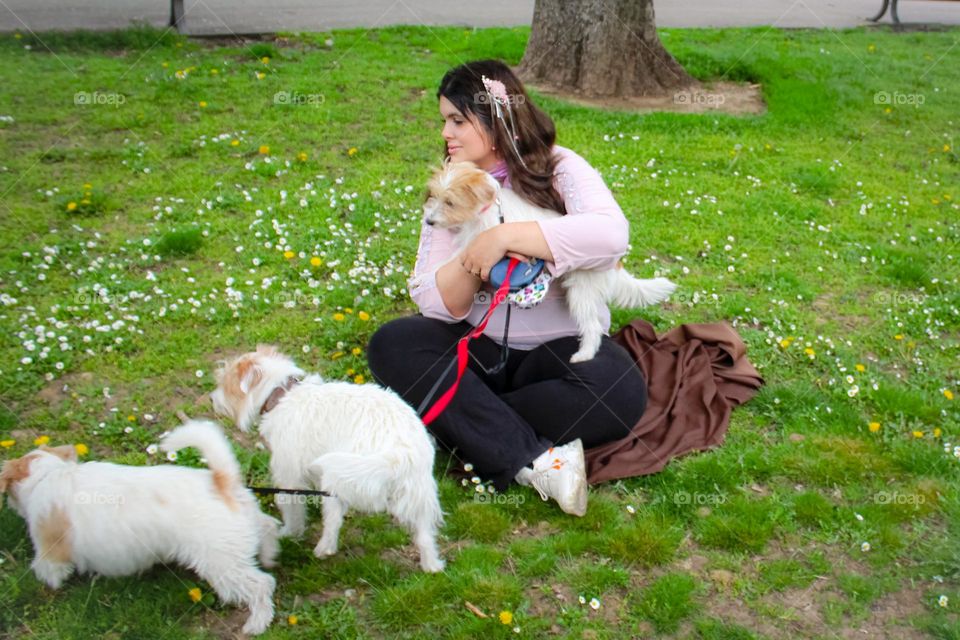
(467, 141)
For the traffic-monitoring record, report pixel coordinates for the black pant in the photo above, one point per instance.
(501, 422)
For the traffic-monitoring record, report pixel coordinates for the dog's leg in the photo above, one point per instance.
(585, 295)
(293, 508)
(417, 508)
(333, 510)
(269, 532)
(238, 581)
(425, 537)
(51, 573)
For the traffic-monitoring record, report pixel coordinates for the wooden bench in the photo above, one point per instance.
(892, 5)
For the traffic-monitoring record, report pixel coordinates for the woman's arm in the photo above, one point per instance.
(457, 288)
(440, 287)
(513, 239)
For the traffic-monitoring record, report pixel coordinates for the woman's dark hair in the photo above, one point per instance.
(536, 133)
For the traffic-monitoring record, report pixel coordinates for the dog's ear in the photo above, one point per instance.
(14, 471)
(267, 350)
(66, 452)
(249, 374)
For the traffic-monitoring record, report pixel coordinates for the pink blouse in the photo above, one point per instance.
(593, 234)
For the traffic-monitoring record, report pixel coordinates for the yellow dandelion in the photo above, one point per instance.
(871, 48)
(42, 440)
(946, 196)
(352, 151)
(336, 355)
(265, 60)
(85, 201)
(918, 434)
(348, 310)
(87, 186)
(17, 36)
(214, 72)
(195, 594)
(505, 617)
(874, 427)
(315, 261)
(261, 75)
(264, 149)
(363, 315)
(785, 343)
(937, 432)
(888, 110)
(6, 444)
(359, 380)
(810, 352)
(164, 64)
(132, 418)
(899, 336)
(356, 351)
(860, 368)
(350, 372)
(302, 156)
(946, 148)
(339, 317)
(203, 104)
(71, 206)
(82, 449)
(288, 254)
(948, 394)
(292, 620)
(234, 143)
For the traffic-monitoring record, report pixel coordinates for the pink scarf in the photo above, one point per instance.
(501, 174)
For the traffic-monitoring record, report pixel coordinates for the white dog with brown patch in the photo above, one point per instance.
(462, 197)
(118, 520)
(360, 443)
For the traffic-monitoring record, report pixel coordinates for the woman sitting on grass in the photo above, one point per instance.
(531, 420)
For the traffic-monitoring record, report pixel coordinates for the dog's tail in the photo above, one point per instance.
(627, 292)
(209, 439)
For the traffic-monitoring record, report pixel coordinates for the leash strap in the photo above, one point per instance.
(269, 491)
(463, 350)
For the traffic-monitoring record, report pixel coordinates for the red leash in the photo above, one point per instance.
(463, 344)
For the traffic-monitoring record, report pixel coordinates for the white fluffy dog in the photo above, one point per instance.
(462, 197)
(118, 520)
(361, 443)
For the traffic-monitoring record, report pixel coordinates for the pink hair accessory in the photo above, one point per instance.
(496, 89)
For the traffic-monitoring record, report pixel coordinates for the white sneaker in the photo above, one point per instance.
(560, 473)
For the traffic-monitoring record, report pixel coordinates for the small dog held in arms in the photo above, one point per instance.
(463, 198)
(360, 443)
(118, 520)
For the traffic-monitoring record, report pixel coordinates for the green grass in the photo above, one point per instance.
(227, 194)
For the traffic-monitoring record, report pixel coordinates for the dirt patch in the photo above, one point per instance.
(720, 97)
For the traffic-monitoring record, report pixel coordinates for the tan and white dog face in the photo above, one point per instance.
(457, 194)
(19, 469)
(241, 383)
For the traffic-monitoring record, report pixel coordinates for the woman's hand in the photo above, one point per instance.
(486, 250)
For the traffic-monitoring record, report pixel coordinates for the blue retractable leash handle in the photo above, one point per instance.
(524, 274)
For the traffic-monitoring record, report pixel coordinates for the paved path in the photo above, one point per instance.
(253, 16)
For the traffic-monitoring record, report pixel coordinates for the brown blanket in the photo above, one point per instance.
(696, 374)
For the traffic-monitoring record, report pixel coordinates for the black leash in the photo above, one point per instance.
(270, 491)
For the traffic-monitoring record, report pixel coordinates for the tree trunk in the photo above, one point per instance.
(599, 48)
(176, 15)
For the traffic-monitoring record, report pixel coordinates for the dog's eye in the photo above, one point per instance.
(448, 203)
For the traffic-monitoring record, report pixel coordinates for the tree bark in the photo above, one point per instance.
(599, 48)
(176, 15)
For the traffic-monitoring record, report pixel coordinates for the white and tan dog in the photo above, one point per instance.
(361, 443)
(462, 197)
(118, 520)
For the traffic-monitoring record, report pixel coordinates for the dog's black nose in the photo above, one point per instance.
(429, 222)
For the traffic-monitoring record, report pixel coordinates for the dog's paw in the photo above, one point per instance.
(582, 356)
(290, 532)
(325, 549)
(434, 565)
